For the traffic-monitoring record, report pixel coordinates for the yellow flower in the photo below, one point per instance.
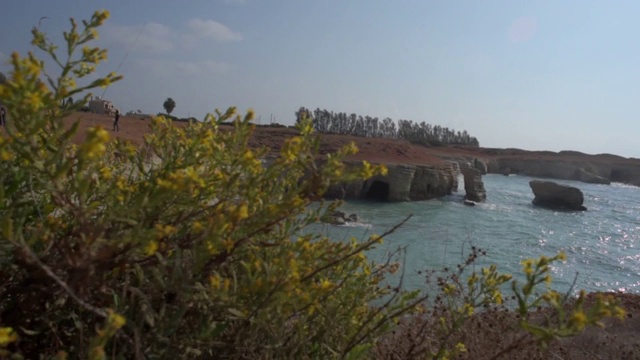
(95, 144)
(467, 310)
(215, 281)
(578, 320)
(351, 148)
(291, 148)
(243, 212)
(325, 284)
(151, 248)
(367, 170)
(197, 226)
(116, 320)
(7, 336)
(527, 266)
(449, 289)
(250, 115)
(5, 155)
(34, 100)
(497, 297)
(105, 172)
(165, 230)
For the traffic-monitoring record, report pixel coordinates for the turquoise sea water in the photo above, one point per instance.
(602, 244)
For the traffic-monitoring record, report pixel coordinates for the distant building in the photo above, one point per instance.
(101, 106)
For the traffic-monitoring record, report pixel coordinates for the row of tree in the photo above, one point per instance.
(325, 121)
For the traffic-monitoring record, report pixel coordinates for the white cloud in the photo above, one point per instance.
(157, 38)
(152, 37)
(213, 29)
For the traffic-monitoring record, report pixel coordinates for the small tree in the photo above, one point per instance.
(169, 105)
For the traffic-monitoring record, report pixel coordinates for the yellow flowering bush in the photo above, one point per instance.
(188, 246)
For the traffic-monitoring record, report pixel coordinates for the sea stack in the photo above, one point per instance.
(551, 195)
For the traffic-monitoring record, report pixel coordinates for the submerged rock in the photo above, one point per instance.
(551, 195)
(340, 218)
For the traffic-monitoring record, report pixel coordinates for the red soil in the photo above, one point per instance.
(375, 150)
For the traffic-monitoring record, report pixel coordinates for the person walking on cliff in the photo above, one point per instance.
(116, 127)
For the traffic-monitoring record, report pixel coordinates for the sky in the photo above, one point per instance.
(536, 75)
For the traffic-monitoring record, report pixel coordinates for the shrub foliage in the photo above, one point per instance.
(188, 246)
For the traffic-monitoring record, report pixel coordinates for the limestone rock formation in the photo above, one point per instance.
(590, 172)
(480, 165)
(399, 178)
(430, 182)
(473, 185)
(589, 177)
(402, 183)
(455, 171)
(340, 218)
(551, 195)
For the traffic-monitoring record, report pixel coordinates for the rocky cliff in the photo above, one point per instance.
(565, 165)
(596, 172)
(552, 168)
(402, 183)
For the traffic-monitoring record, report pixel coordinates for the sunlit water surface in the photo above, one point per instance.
(602, 244)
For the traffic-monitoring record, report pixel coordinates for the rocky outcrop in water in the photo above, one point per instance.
(551, 195)
(473, 185)
(340, 218)
(402, 183)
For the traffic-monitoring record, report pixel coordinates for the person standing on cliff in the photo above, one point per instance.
(116, 127)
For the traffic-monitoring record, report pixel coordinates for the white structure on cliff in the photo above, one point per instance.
(101, 106)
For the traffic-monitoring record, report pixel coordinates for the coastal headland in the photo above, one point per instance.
(416, 172)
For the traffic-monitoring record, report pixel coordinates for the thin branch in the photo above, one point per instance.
(100, 312)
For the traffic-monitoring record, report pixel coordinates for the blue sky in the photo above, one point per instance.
(537, 75)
